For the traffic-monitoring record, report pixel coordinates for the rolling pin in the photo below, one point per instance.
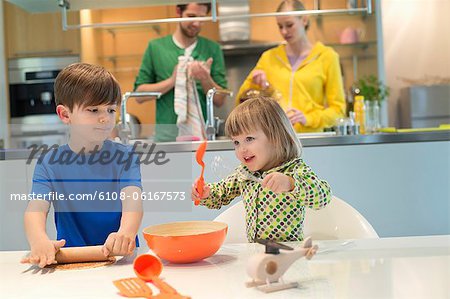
(81, 254)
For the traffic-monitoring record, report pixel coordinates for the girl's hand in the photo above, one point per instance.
(278, 182)
(296, 116)
(43, 253)
(259, 78)
(194, 194)
(119, 243)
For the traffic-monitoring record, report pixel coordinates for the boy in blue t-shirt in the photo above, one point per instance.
(93, 183)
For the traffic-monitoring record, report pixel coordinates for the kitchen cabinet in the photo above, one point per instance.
(13, 182)
(29, 35)
(16, 182)
(355, 166)
(39, 6)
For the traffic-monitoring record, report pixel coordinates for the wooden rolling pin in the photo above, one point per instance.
(81, 254)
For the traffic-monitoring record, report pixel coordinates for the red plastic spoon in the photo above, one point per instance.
(200, 181)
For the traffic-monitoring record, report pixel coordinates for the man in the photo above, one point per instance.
(158, 68)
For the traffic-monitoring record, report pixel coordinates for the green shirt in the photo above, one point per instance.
(157, 65)
(269, 215)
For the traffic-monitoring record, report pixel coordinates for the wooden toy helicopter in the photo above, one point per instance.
(266, 269)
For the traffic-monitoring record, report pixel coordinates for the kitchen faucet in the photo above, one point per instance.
(210, 127)
(124, 129)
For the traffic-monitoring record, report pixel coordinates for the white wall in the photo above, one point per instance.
(416, 37)
(3, 86)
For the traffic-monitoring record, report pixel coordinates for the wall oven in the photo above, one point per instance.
(32, 101)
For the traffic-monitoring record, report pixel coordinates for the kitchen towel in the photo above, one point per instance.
(190, 120)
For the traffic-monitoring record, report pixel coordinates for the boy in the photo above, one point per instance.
(96, 196)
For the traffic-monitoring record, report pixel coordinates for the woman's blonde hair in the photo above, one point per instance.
(266, 114)
(292, 5)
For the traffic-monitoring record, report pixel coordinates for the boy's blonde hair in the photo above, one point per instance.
(83, 84)
(266, 114)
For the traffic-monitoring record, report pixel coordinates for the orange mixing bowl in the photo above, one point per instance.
(185, 242)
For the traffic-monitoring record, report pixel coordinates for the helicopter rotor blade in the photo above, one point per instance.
(273, 244)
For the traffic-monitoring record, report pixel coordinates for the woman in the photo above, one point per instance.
(306, 78)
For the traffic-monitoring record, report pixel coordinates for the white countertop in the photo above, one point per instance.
(412, 267)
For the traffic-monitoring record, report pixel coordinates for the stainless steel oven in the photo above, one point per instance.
(32, 101)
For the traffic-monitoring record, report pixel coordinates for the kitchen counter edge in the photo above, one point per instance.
(226, 144)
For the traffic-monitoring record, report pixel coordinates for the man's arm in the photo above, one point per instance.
(162, 86)
(146, 79)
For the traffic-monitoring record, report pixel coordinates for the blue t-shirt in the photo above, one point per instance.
(84, 190)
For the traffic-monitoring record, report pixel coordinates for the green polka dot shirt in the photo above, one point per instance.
(269, 215)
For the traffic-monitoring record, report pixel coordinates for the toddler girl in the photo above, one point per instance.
(273, 181)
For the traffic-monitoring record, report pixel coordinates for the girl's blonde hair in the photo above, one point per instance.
(266, 114)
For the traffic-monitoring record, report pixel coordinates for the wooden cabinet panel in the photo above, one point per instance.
(39, 34)
(121, 50)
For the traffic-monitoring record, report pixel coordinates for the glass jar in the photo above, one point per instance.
(373, 122)
(341, 126)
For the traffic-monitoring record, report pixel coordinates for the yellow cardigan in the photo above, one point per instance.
(315, 88)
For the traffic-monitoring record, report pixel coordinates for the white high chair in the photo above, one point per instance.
(234, 216)
(338, 220)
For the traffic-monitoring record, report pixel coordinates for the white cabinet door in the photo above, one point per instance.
(15, 184)
(13, 188)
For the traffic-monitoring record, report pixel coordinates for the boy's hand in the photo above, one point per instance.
(278, 182)
(119, 243)
(196, 196)
(43, 253)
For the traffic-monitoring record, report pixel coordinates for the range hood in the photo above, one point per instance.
(242, 47)
(238, 29)
(235, 34)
